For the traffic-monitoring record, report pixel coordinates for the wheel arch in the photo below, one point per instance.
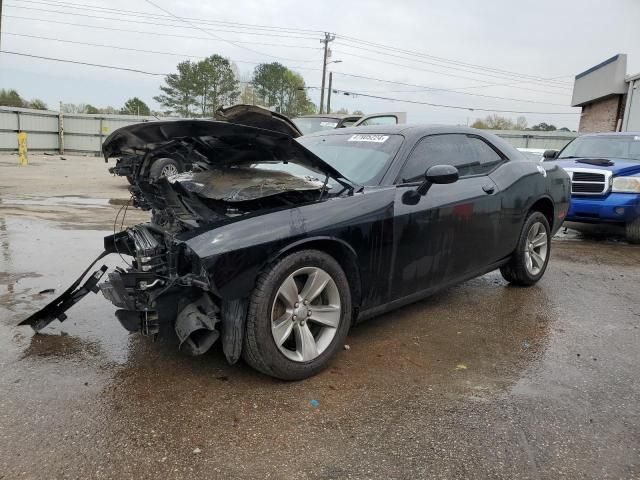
(545, 206)
(344, 254)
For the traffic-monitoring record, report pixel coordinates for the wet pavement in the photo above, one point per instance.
(482, 380)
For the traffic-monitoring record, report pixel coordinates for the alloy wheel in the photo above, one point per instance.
(169, 170)
(536, 249)
(305, 314)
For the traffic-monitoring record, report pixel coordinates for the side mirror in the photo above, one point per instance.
(442, 174)
(438, 174)
(550, 154)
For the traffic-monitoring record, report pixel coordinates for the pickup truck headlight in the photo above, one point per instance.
(626, 185)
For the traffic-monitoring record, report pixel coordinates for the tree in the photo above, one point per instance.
(343, 111)
(277, 86)
(544, 127)
(358, 112)
(200, 87)
(521, 123)
(248, 94)
(37, 104)
(479, 124)
(92, 110)
(135, 106)
(494, 122)
(11, 98)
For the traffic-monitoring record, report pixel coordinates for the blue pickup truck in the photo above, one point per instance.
(605, 179)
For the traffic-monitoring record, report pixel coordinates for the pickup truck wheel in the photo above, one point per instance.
(164, 167)
(529, 261)
(299, 316)
(632, 231)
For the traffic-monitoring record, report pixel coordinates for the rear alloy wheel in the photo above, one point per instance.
(164, 167)
(529, 261)
(298, 317)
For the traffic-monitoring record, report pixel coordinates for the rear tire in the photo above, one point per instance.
(164, 167)
(276, 311)
(632, 231)
(531, 256)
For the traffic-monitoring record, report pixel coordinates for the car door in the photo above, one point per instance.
(393, 118)
(451, 232)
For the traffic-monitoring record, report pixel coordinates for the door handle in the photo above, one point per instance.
(489, 189)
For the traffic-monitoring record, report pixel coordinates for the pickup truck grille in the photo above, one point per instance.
(588, 177)
(589, 182)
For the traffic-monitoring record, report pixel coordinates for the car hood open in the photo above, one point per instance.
(259, 117)
(221, 142)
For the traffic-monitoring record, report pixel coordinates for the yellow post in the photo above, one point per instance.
(22, 148)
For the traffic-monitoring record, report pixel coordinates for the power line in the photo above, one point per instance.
(410, 66)
(117, 47)
(530, 78)
(83, 63)
(429, 63)
(158, 34)
(359, 42)
(85, 6)
(510, 84)
(268, 34)
(426, 88)
(441, 59)
(423, 87)
(345, 92)
(230, 42)
(457, 107)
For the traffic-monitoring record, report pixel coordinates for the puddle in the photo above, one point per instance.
(38, 255)
(64, 201)
(595, 233)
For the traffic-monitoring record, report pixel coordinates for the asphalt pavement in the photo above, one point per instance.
(482, 380)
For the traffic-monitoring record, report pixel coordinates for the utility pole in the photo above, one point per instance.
(329, 93)
(327, 38)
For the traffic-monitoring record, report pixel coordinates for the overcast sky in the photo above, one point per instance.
(545, 39)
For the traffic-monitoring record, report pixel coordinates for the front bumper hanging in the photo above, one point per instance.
(72, 295)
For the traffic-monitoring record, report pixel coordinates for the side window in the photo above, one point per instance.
(380, 120)
(483, 156)
(470, 155)
(430, 151)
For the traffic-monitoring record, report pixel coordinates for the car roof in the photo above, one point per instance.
(414, 132)
(403, 129)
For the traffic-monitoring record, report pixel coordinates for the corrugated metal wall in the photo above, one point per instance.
(85, 133)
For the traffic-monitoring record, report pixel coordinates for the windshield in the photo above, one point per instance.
(361, 158)
(315, 124)
(610, 146)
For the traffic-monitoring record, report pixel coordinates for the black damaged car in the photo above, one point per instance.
(275, 246)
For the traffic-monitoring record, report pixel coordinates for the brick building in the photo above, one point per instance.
(610, 99)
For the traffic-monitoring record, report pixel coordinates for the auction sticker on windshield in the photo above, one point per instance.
(369, 138)
(329, 124)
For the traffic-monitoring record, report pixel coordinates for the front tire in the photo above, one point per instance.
(531, 256)
(299, 316)
(632, 231)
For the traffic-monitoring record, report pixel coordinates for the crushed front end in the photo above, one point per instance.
(163, 290)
